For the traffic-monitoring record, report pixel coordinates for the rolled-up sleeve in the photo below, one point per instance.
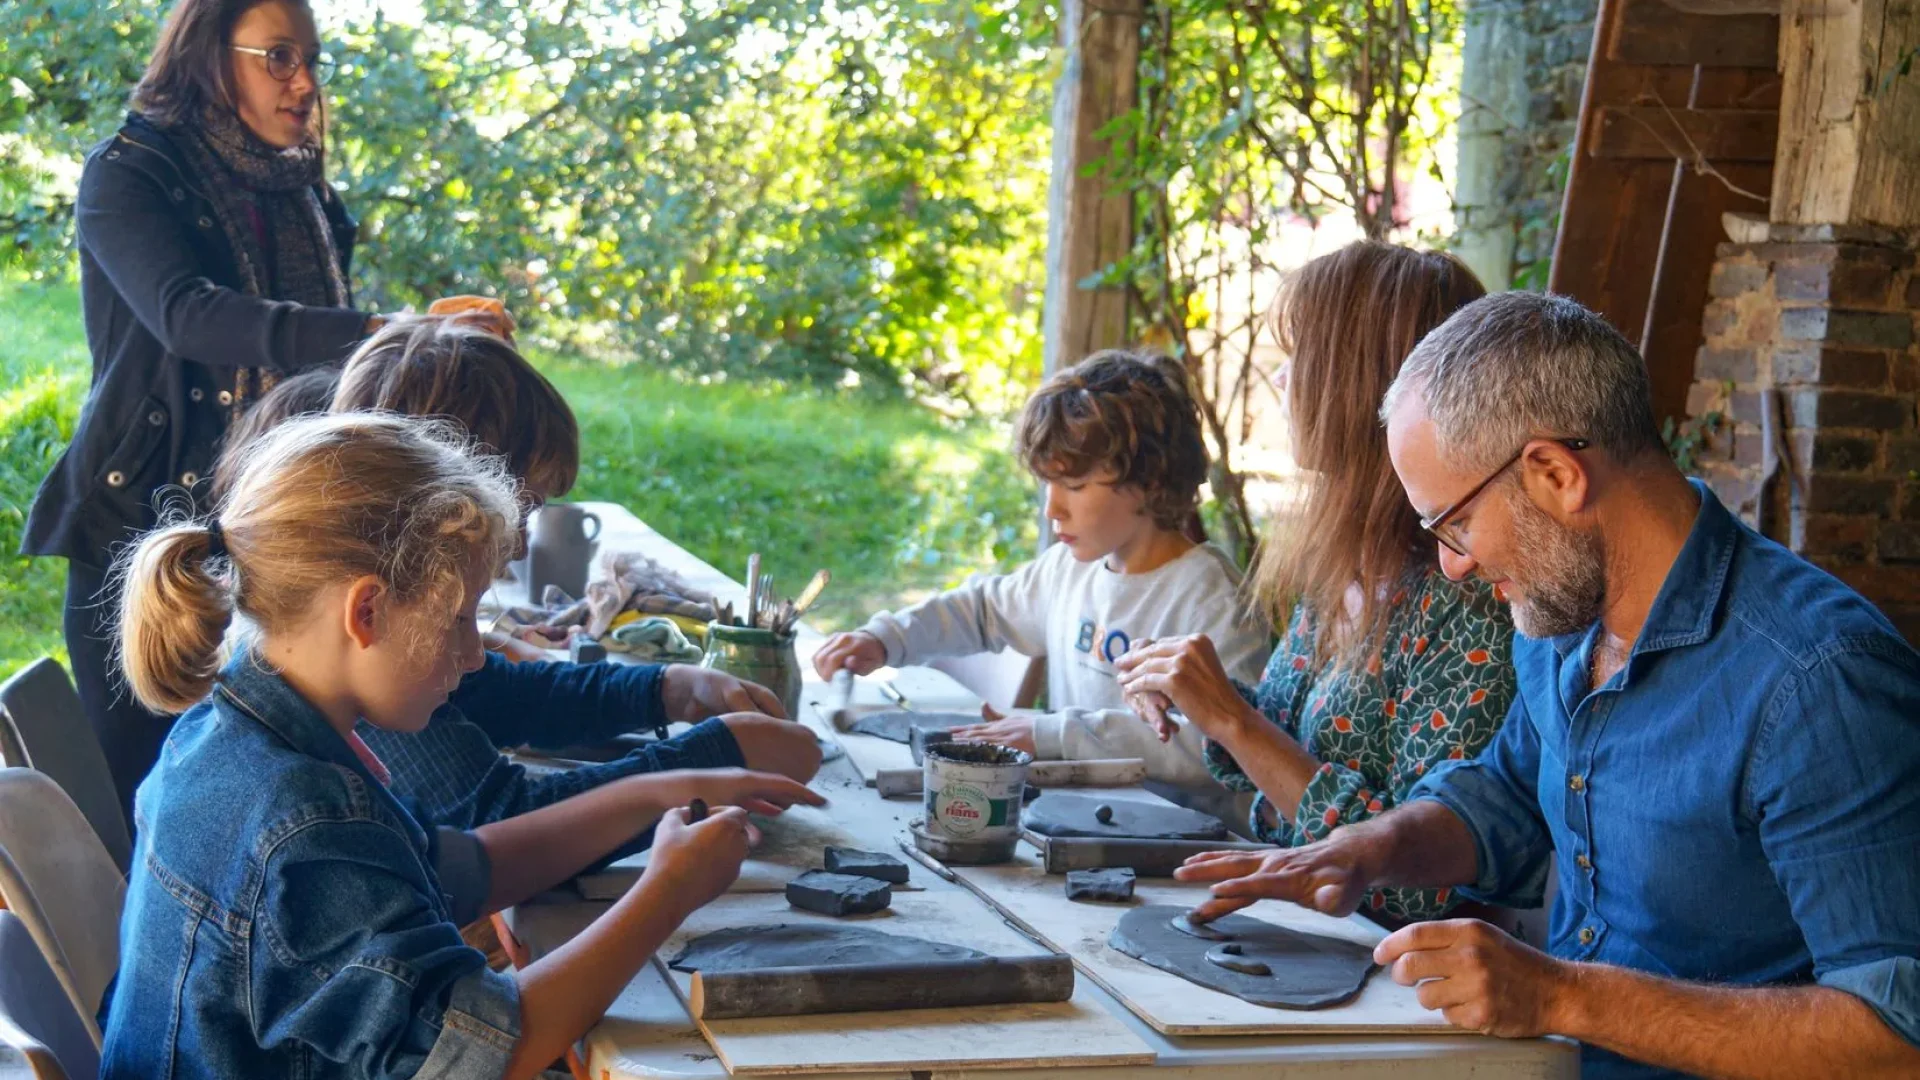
(1841, 839)
(354, 961)
(1497, 795)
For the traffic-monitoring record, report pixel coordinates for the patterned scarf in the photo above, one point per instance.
(244, 176)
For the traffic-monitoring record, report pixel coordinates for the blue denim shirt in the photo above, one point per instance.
(284, 917)
(452, 773)
(1740, 804)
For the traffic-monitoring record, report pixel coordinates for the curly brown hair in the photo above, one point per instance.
(1128, 412)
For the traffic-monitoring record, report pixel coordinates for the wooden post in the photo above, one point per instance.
(1089, 222)
(1849, 122)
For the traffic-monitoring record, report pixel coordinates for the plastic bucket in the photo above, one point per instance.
(974, 791)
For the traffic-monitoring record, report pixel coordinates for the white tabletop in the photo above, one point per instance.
(648, 1032)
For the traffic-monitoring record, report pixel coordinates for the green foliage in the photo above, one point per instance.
(1686, 439)
(1253, 112)
(782, 188)
(894, 500)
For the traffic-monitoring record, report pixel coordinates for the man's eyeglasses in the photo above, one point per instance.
(1437, 524)
(285, 61)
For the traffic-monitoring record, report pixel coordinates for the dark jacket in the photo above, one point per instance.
(168, 326)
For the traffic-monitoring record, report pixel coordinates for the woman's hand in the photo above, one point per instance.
(699, 861)
(1013, 732)
(759, 792)
(483, 311)
(1185, 672)
(858, 652)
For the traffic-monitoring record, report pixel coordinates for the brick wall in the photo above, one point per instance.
(1813, 354)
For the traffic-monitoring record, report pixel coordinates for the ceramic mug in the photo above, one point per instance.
(561, 541)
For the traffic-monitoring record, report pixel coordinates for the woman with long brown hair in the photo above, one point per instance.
(213, 260)
(1387, 668)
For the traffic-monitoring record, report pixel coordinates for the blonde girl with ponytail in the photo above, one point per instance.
(286, 915)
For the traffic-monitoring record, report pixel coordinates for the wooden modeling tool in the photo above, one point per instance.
(753, 589)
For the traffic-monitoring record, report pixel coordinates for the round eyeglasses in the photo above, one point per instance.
(285, 61)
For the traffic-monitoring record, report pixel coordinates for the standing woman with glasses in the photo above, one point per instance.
(213, 260)
(1387, 669)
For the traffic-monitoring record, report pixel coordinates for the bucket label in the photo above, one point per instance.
(964, 810)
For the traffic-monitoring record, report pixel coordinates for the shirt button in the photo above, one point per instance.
(1577, 782)
(225, 397)
(189, 479)
(156, 418)
(178, 195)
(206, 222)
(197, 394)
(1583, 862)
(116, 478)
(1587, 935)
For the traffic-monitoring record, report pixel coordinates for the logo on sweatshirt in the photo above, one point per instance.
(1113, 644)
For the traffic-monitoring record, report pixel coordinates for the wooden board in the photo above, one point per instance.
(1037, 902)
(1071, 1033)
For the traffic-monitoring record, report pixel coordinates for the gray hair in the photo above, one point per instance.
(1516, 366)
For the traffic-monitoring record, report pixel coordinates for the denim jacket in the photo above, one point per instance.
(285, 916)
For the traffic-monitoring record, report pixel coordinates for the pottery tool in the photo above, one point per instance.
(1147, 858)
(815, 586)
(697, 811)
(767, 605)
(894, 695)
(930, 984)
(1102, 772)
(753, 589)
(839, 716)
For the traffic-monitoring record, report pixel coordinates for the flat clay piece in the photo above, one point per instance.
(869, 864)
(1113, 885)
(1205, 931)
(895, 726)
(1306, 971)
(838, 894)
(1061, 813)
(809, 945)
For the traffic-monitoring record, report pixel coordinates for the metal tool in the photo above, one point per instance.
(764, 616)
(753, 589)
(893, 694)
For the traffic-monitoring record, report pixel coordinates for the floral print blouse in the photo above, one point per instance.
(1438, 691)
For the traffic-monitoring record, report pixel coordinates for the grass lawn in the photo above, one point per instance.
(892, 499)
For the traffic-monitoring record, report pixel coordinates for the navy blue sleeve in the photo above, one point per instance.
(452, 776)
(551, 704)
(143, 242)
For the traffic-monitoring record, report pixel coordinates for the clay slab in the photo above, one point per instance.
(1061, 813)
(809, 945)
(838, 894)
(1307, 971)
(896, 726)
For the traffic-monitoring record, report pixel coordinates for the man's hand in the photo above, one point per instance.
(858, 652)
(691, 694)
(1479, 978)
(1330, 876)
(1014, 732)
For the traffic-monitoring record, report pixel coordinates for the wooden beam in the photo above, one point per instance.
(1656, 133)
(1651, 32)
(1849, 122)
(1089, 221)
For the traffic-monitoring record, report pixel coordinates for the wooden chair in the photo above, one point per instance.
(44, 718)
(37, 1021)
(59, 880)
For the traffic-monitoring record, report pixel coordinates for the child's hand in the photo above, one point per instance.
(776, 746)
(762, 793)
(1014, 732)
(698, 861)
(858, 652)
(691, 693)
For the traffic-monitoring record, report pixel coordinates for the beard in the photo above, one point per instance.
(1563, 584)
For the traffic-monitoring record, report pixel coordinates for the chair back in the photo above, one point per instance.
(58, 879)
(36, 1020)
(48, 726)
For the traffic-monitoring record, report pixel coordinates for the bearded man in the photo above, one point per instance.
(1716, 742)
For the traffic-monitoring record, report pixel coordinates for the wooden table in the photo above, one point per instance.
(648, 1032)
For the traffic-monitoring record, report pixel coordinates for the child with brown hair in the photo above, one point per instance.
(452, 770)
(1116, 442)
(286, 914)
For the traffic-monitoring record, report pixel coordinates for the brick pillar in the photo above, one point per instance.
(1812, 354)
